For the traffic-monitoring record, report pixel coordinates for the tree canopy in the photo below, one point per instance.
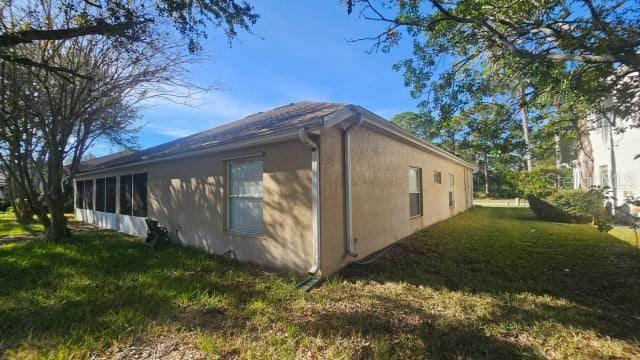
(26, 22)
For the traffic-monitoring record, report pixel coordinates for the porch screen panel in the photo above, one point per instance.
(88, 194)
(126, 184)
(100, 191)
(110, 195)
(140, 194)
(80, 194)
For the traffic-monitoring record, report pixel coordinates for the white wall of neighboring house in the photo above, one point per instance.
(616, 169)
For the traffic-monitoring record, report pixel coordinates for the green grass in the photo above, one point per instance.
(10, 227)
(490, 283)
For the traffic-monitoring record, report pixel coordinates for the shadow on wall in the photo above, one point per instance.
(506, 254)
(196, 205)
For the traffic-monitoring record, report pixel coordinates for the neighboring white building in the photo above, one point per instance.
(613, 160)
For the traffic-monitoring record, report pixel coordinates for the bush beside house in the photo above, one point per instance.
(555, 203)
(569, 205)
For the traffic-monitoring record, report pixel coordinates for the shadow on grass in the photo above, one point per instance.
(506, 253)
(97, 287)
(416, 332)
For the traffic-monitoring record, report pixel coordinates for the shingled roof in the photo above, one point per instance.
(262, 123)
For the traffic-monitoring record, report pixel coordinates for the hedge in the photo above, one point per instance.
(568, 205)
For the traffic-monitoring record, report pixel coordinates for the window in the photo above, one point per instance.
(133, 194)
(126, 186)
(100, 194)
(452, 199)
(245, 197)
(415, 192)
(604, 175)
(88, 195)
(110, 195)
(140, 194)
(2, 192)
(437, 177)
(80, 194)
(603, 124)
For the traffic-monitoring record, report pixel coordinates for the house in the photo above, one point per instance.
(613, 155)
(306, 187)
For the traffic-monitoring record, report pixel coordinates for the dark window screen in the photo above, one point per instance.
(100, 189)
(125, 194)
(110, 195)
(140, 194)
(80, 194)
(88, 194)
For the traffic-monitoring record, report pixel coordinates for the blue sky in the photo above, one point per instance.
(299, 51)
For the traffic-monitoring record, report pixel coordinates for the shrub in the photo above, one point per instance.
(582, 205)
(568, 205)
(542, 182)
(546, 211)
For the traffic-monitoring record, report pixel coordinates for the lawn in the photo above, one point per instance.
(10, 227)
(489, 283)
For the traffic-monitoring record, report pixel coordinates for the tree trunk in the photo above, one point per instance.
(556, 139)
(613, 171)
(19, 204)
(55, 197)
(58, 222)
(21, 210)
(585, 155)
(525, 129)
(485, 173)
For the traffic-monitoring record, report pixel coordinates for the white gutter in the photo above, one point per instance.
(315, 197)
(351, 246)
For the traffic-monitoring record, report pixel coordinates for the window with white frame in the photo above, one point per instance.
(415, 191)
(245, 197)
(452, 199)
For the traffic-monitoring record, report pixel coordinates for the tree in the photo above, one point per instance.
(418, 124)
(79, 68)
(126, 22)
(591, 46)
(606, 33)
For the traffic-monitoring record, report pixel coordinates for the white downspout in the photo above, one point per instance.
(315, 197)
(351, 247)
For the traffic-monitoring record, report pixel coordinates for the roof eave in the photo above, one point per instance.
(283, 135)
(384, 125)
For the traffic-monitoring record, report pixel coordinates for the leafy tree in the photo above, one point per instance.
(549, 59)
(418, 124)
(127, 22)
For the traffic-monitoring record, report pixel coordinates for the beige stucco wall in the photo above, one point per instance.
(380, 198)
(190, 193)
